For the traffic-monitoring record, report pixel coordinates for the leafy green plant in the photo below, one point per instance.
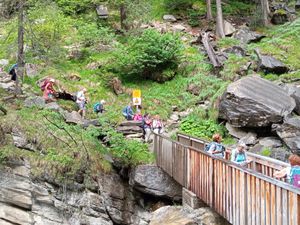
(128, 152)
(266, 151)
(201, 127)
(148, 55)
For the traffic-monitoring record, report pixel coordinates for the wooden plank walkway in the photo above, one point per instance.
(242, 195)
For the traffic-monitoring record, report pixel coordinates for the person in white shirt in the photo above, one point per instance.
(157, 125)
(81, 102)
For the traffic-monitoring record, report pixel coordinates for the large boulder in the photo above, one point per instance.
(254, 102)
(269, 64)
(35, 101)
(171, 215)
(236, 50)
(246, 36)
(289, 132)
(294, 92)
(228, 28)
(150, 179)
(73, 118)
(169, 18)
(271, 142)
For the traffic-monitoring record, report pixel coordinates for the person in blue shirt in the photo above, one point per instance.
(215, 147)
(13, 72)
(239, 156)
(128, 112)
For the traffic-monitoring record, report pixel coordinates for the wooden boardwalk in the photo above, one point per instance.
(244, 196)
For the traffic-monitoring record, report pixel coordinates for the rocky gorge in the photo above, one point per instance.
(105, 200)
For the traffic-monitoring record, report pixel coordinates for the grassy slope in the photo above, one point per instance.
(282, 42)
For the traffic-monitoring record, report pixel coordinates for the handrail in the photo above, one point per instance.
(279, 183)
(262, 160)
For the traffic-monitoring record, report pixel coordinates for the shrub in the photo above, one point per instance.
(150, 54)
(178, 4)
(90, 34)
(71, 7)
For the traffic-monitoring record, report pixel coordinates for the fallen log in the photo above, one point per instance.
(213, 57)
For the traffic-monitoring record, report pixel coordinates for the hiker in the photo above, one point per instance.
(138, 116)
(238, 155)
(157, 125)
(128, 112)
(13, 72)
(99, 106)
(292, 172)
(215, 147)
(81, 102)
(48, 90)
(146, 125)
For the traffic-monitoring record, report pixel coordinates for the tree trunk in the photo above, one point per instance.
(208, 10)
(123, 16)
(20, 70)
(264, 10)
(220, 22)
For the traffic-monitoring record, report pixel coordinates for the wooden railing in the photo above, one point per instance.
(241, 195)
(261, 164)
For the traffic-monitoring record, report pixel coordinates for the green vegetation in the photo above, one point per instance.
(66, 39)
(152, 56)
(283, 43)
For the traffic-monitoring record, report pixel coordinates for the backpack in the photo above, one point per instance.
(97, 107)
(295, 176)
(207, 147)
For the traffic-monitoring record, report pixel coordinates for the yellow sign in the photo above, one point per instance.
(136, 93)
(137, 101)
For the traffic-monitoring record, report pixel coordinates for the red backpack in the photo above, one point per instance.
(45, 82)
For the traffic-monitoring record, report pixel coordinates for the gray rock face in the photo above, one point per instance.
(152, 180)
(171, 215)
(34, 101)
(246, 36)
(254, 102)
(269, 64)
(102, 12)
(20, 140)
(235, 131)
(169, 18)
(272, 142)
(24, 202)
(236, 50)
(249, 139)
(73, 117)
(53, 106)
(289, 132)
(294, 92)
